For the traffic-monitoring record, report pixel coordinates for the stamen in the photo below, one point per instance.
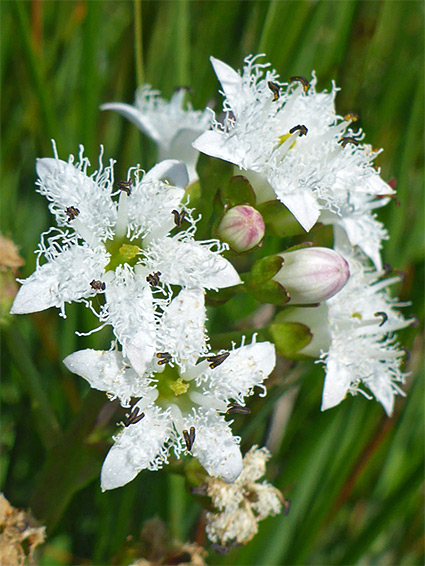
(218, 359)
(275, 88)
(351, 117)
(189, 438)
(97, 285)
(178, 217)
(348, 139)
(153, 279)
(134, 417)
(286, 507)
(125, 186)
(302, 129)
(236, 408)
(163, 358)
(72, 213)
(302, 80)
(384, 317)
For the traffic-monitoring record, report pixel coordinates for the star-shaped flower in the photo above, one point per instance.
(353, 333)
(126, 249)
(292, 146)
(172, 125)
(183, 396)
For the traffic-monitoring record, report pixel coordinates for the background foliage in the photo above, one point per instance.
(354, 477)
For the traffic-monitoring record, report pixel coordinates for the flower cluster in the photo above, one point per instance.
(132, 245)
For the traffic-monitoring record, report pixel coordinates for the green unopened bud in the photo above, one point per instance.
(242, 227)
(312, 275)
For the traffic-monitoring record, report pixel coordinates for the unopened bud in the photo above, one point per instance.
(312, 275)
(242, 227)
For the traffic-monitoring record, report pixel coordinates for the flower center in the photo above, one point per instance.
(172, 388)
(121, 251)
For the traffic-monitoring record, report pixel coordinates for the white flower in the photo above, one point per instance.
(241, 505)
(292, 146)
(173, 125)
(353, 333)
(120, 248)
(182, 399)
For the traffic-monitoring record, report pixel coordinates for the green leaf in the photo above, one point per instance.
(290, 337)
(279, 220)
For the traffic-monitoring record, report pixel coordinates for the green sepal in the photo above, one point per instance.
(194, 192)
(238, 191)
(278, 220)
(299, 247)
(264, 269)
(223, 295)
(290, 337)
(270, 292)
(260, 284)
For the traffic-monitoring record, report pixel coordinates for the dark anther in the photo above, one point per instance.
(178, 217)
(125, 186)
(153, 278)
(217, 360)
(351, 116)
(163, 358)
(97, 285)
(286, 507)
(302, 80)
(387, 269)
(189, 437)
(275, 88)
(384, 317)
(199, 490)
(134, 417)
(407, 354)
(225, 548)
(236, 408)
(21, 526)
(72, 213)
(344, 141)
(302, 129)
(414, 322)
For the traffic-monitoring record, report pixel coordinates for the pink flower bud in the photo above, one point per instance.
(242, 227)
(312, 275)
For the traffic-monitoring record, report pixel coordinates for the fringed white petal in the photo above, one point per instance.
(130, 310)
(107, 371)
(137, 118)
(182, 327)
(66, 185)
(244, 369)
(192, 264)
(139, 446)
(215, 447)
(231, 82)
(63, 279)
(172, 171)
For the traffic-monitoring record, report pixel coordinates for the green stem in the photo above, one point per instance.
(176, 505)
(42, 413)
(138, 41)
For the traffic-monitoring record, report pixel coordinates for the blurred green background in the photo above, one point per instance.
(354, 477)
